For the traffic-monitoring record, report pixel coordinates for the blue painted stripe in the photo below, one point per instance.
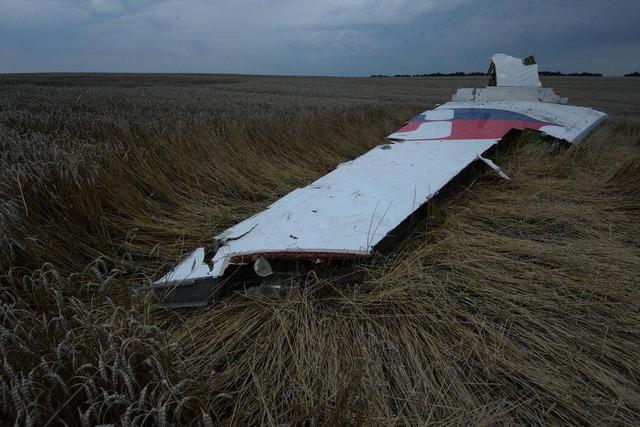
(484, 114)
(419, 118)
(491, 114)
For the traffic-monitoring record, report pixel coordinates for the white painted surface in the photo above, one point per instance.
(511, 71)
(348, 210)
(356, 205)
(427, 130)
(438, 114)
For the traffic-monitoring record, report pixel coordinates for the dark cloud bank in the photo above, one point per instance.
(313, 37)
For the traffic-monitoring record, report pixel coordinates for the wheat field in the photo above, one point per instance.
(521, 307)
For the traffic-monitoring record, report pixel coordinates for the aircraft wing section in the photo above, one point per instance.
(364, 203)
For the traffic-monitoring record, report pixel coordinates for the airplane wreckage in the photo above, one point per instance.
(368, 204)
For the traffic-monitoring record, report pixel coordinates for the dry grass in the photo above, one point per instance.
(523, 307)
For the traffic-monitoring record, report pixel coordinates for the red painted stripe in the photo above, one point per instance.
(477, 129)
(488, 129)
(410, 126)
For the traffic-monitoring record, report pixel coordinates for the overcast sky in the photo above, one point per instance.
(315, 37)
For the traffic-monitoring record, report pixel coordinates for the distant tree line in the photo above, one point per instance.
(558, 73)
(457, 74)
(461, 74)
(635, 74)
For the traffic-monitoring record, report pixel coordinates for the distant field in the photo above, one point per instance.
(522, 307)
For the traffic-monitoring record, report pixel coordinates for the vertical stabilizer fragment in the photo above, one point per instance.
(507, 70)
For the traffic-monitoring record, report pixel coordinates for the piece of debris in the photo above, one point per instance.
(495, 168)
(510, 71)
(262, 267)
(433, 154)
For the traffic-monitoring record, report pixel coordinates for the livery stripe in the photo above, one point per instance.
(491, 114)
(483, 114)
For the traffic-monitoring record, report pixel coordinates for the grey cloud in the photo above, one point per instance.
(334, 37)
